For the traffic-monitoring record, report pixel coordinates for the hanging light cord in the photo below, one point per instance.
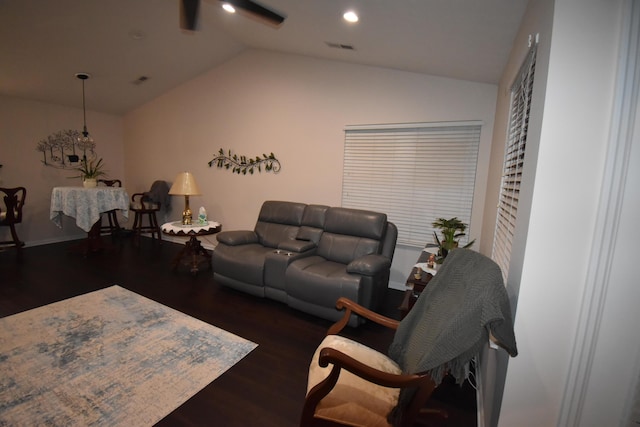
(84, 112)
(85, 132)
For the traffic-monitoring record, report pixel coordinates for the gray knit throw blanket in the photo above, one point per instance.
(451, 320)
(159, 193)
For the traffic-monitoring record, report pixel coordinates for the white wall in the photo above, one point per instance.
(24, 124)
(297, 108)
(536, 24)
(574, 133)
(608, 392)
(596, 394)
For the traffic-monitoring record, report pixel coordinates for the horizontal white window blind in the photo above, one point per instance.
(415, 173)
(521, 93)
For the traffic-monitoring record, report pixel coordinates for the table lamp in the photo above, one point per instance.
(185, 185)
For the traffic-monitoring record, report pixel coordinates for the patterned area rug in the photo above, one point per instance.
(110, 357)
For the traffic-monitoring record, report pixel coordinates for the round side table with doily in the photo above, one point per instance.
(193, 249)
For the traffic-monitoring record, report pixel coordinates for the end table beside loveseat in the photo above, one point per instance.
(192, 249)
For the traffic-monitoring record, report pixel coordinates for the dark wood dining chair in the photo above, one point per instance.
(112, 227)
(148, 204)
(11, 214)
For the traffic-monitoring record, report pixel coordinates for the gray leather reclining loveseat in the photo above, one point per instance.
(308, 256)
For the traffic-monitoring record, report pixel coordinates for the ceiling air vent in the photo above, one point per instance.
(140, 80)
(340, 46)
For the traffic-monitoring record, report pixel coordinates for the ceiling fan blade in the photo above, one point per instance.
(189, 14)
(258, 10)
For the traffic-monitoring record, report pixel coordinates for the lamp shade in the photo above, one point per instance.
(185, 185)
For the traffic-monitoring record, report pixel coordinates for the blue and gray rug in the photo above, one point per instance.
(110, 357)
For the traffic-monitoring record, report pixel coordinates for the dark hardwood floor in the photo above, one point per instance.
(264, 389)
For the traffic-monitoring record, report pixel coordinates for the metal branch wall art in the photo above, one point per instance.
(243, 164)
(65, 148)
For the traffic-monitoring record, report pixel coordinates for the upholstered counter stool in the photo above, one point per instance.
(147, 205)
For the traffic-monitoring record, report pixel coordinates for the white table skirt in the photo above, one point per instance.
(177, 227)
(86, 204)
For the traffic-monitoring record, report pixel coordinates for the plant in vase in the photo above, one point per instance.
(452, 230)
(90, 171)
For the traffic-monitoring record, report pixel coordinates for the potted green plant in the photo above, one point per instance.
(452, 230)
(90, 170)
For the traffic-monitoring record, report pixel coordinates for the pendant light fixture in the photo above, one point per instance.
(85, 140)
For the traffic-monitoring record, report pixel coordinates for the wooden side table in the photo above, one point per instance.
(415, 285)
(193, 248)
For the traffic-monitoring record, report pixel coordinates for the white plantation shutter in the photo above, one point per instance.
(521, 92)
(415, 173)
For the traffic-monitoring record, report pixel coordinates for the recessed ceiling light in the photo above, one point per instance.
(350, 16)
(229, 8)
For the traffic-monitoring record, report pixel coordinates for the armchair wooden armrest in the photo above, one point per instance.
(385, 379)
(349, 307)
(422, 382)
(141, 202)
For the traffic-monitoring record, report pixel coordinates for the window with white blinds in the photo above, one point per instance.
(518, 127)
(415, 173)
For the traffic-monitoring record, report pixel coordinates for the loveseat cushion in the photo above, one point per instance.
(350, 234)
(314, 279)
(243, 263)
(271, 235)
(237, 237)
(356, 222)
(344, 249)
(278, 221)
(312, 223)
(282, 212)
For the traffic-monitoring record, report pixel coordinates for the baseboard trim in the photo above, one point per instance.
(53, 240)
(397, 286)
(180, 240)
(480, 417)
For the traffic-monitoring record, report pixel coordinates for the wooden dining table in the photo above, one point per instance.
(86, 205)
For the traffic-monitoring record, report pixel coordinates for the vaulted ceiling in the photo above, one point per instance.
(44, 43)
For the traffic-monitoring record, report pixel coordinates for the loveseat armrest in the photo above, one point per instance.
(237, 237)
(297, 246)
(369, 265)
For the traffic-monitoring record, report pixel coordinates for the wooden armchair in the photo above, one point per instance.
(11, 214)
(372, 387)
(353, 385)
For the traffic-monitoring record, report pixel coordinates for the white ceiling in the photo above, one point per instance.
(43, 43)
